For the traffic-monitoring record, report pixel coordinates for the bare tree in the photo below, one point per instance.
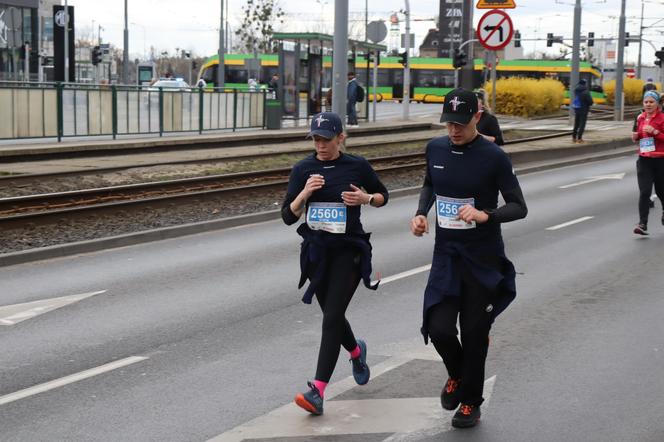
(256, 29)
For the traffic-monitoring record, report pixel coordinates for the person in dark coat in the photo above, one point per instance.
(274, 85)
(581, 104)
(488, 125)
(352, 100)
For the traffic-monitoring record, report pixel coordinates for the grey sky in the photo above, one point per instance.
(170, 24)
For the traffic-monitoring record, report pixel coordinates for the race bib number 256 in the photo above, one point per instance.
(447, 212)
(329, 217)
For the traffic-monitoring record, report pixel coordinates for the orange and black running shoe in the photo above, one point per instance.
(466, 416)
(449, 397)
(311, 400)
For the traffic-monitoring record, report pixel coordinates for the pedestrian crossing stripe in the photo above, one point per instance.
(496, 4)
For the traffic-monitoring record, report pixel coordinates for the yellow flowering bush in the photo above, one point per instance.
(527, 97)
(632, 87)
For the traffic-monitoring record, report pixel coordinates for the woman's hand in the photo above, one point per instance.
(356, 197)
(314, 183)
(635, 136)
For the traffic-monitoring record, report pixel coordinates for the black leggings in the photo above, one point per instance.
(464, 360)
(342, 277)
(649, 171)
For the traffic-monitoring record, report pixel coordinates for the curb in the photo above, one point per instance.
(616, 148)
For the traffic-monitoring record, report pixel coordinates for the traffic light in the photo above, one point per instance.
(517, 39)
(626, 38)
(549, 39)
(660, 57)
(591, 39)
(96, 55)
(459, 59)
(403, 58)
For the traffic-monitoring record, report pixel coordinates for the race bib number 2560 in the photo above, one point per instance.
(329, 217)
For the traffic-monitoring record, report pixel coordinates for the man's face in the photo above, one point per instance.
(463, 133)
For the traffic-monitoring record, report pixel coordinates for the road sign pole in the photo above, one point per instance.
(406, 70)
(494, 62)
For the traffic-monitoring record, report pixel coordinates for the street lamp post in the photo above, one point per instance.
(620, 68)
(406, 71)
(125, 56)
(576, 46)
(221, 68)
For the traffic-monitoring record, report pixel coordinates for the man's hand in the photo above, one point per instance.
(419, 225)
(468, 213)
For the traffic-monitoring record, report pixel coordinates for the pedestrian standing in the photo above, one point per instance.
(351, 99)
(649, 134)
(274, 85)
(581, 104)
(329, 188)
(471, 279)
(488, 125)
(649, 86)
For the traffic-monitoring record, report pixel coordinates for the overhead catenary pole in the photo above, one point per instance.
(620, 68)
(221, 67)
(66, 41)
(576, 46)
(406, 69)
(340, 59)
(125, 55)
(638, 63)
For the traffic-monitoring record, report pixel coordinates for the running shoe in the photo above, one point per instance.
(361, 371)
(466, 416)
(641, 229)
(449, 397)
(311, 400)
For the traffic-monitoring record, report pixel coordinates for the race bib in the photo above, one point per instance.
(447, 211)
(329, 217)
(647, 144)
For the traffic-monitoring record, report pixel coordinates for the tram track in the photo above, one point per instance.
(53, 207)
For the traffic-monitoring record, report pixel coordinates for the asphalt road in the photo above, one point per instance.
(210, 339)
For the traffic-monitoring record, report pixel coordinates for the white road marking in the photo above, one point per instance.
(407, 418)
(570, 223)
(615, 176)
(405, 274)
(13, 314)
(22, 394)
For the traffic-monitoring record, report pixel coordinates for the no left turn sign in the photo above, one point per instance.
(495, 30)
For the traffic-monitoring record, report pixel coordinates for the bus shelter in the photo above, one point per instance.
(305, 70)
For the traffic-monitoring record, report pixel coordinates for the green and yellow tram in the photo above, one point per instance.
(431, 78)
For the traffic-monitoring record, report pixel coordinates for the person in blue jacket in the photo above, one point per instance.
(352, 99)
(581, 104)
(471, 278)
(329, 188)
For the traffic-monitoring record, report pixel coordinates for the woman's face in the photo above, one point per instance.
(649, 104)
(328, 149)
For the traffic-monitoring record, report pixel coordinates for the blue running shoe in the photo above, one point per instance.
(311, 400)
(361, 371)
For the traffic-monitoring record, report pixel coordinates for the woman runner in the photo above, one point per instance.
(336, 253)
(650, 165)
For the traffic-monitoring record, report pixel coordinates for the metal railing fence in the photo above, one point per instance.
(34, 110)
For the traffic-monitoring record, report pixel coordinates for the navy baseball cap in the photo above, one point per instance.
(460, 106)
(326, 124)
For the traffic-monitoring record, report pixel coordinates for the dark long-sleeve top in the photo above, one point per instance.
(339, 174)
(478, 170)
(488, 125)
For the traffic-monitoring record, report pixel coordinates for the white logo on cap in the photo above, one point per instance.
(320, 119)
(455, 103)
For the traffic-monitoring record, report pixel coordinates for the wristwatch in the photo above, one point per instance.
(371, 197)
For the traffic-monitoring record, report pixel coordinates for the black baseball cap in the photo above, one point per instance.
(326, 124)
(460, 106)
